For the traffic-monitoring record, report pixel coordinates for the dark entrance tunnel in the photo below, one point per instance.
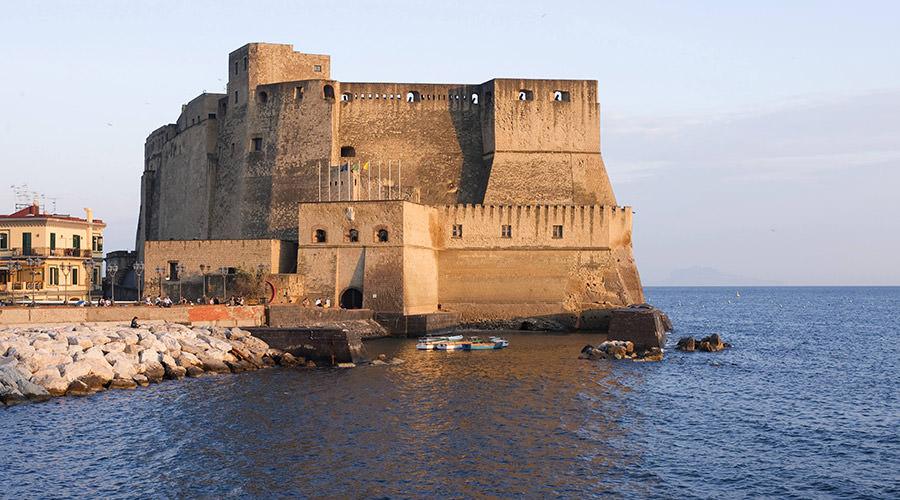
(352, 298)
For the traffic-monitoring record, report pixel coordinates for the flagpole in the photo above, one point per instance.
(320, 181)
(390, 191)
(369, 182)
(379, 179)
(399, 181)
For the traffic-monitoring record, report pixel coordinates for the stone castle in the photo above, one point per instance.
(488, 200)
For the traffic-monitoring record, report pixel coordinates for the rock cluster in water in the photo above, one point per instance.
(711, 343)
(620, 349)
(38, 362)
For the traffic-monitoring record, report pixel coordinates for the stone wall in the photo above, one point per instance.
(194, 315)
(277, 256)
(457, 143)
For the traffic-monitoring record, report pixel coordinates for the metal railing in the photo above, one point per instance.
(48, 252)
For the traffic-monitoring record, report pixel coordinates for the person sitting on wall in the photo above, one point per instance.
(305, 302)
(318, 302)
(215, 300)
(134, 323)
(327, 303)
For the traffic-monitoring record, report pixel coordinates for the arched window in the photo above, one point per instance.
(561, 96)
(382, 235)
(348, 151)
(353, 236)
(320, 236)
(263, 97)
(474, 98)
(346, 97)
(328, 91)
(526, 95)
(413, 96)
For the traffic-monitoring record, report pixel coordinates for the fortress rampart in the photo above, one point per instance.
(515, 165)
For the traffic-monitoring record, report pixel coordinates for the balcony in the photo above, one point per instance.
(47, 252)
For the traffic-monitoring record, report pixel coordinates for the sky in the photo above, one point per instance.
(758, 142)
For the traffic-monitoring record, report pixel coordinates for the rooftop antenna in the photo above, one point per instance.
(53, 203)
(23, 196)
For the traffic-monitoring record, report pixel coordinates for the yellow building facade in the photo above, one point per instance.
(49, 258)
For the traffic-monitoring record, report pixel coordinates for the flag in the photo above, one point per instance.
(366, 166)
(344, 167)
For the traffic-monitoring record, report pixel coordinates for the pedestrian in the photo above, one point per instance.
(134, 323)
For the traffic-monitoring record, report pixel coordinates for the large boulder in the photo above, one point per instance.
(15, 386)
(186, 360)
(153, 370)
(687, 344)
(712, 343)
(122, 383)
(51, 380)
(643, 325)
(213, 364)
(74, 370)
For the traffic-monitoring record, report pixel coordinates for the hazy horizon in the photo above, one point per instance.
(757, 143)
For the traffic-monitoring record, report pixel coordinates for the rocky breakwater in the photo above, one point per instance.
(39, 362)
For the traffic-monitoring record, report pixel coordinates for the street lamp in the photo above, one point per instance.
(159, 275)
(66, 269)
(15, 267)
(224, 271)
(33, 263)
(179, 269)
(138, 271)
(89, 270)
(203, 270)
(112, 269)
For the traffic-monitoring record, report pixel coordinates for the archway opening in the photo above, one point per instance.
(352, 298)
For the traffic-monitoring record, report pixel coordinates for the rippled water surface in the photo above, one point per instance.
(804, 405)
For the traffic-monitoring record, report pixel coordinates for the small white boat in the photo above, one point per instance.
(446, 338)
(473, 344)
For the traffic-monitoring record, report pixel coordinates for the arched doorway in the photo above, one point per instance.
(352, 298)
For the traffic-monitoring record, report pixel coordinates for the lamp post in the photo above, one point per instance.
(159, 275)
(203, 269)
(224, 271)
(15, 267)
(33, 263)
(89, 270)
(180, 271)
(138, 271)
(111, 271)
(66, 269)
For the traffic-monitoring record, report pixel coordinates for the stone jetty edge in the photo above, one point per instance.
(41, 361)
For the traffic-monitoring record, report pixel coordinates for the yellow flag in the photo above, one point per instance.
(366, 166)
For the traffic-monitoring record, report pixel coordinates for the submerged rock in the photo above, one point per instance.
(710, 343)
(618, 349)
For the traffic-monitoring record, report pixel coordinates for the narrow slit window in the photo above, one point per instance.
(506, 231)
(557, 232)
(457, 231)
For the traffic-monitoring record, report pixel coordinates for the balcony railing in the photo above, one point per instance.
(48, 252)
